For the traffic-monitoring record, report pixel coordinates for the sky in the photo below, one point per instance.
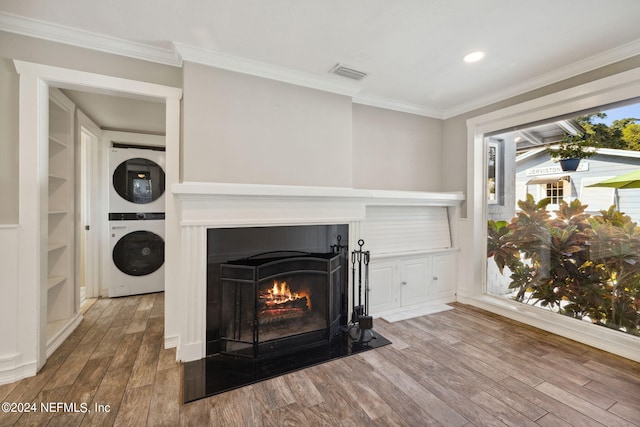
(625, 112)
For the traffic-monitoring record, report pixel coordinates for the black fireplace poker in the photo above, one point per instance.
(361, 321)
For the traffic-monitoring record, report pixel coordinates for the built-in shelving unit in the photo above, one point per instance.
(60, 286)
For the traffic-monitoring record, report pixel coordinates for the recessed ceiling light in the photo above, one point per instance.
(473, 56)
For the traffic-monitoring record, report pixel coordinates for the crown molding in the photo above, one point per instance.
(174, 57)
(87, 39)
(395, 105)
(267, 71)
(591, 63)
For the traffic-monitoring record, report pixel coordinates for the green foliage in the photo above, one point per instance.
(572, 147)
(579, 265)
(623, 134)
(631, 136)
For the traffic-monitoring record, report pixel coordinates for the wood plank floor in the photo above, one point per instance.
(461, 367)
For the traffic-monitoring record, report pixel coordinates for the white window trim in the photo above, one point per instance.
(497, 171)
(472, 284)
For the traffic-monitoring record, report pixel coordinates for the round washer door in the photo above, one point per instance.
(139, 180)
(139, 253)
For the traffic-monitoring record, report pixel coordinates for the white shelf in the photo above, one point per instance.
(54, 281)
(57, 139)
(53, 246)
(62, 307)
(60, 178)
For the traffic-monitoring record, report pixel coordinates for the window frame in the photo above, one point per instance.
(593, 95)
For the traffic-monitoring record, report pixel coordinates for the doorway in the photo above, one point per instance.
(88, 206)
(35, 80)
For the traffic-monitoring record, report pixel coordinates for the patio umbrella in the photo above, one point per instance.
(628, 180)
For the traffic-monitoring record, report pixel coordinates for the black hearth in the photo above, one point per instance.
(277, 303)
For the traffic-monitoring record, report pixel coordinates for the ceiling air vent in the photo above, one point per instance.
(350, 73)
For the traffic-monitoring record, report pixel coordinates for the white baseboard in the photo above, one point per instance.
(433, 303)
(171, 341)
(54, 342)
(12, 368)
(600, 337)
(418, 312)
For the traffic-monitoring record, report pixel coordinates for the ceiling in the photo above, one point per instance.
(543, 134)
(121, 114)
(411, 49)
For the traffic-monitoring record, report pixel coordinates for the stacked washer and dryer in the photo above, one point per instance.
(136, 221)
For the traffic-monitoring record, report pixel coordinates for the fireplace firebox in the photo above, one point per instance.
(277, 302)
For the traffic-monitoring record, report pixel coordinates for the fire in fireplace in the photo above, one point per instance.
(279, 302)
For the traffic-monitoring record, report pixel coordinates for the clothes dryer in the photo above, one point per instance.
(137, 253)
(137, 180)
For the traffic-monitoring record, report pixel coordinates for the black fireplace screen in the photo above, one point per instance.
(272, 304)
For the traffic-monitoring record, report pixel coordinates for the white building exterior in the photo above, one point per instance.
(540, 176)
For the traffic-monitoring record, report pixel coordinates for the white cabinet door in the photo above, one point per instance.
(383, 285)
(444, 276)
(415, 281)
(404, 282)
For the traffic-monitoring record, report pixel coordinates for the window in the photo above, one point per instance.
(555, 192)
(614, 88)
(494, 173)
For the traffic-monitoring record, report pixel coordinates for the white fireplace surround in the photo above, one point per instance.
(220, 205)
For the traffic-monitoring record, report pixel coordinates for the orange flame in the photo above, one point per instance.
(280, 293)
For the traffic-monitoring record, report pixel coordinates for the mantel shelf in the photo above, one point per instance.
(205, 190)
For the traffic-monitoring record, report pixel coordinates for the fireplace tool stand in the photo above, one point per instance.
(361, 327)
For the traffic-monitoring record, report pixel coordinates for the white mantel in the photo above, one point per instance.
(223, 205)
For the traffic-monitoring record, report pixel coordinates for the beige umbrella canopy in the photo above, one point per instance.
(628, 180)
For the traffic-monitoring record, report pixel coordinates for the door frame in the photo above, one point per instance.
(34, 82)
(89, 204)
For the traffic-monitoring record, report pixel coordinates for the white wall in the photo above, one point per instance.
(396, 151)
(11, 364)
(243, 129)
(8, 141)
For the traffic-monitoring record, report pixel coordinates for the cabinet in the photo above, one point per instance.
(60, 285)
(443, 280)
(401, 282)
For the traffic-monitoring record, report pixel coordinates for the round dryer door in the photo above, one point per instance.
(139, 253)
(139, 180)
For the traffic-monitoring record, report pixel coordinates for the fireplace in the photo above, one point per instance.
(221, 222)
(276, 303)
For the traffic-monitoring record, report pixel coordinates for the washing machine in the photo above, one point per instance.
(137, 180)
(137, 253)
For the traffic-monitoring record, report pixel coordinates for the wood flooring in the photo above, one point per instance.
(462, 367)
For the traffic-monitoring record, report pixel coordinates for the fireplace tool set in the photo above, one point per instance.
(361, 326)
